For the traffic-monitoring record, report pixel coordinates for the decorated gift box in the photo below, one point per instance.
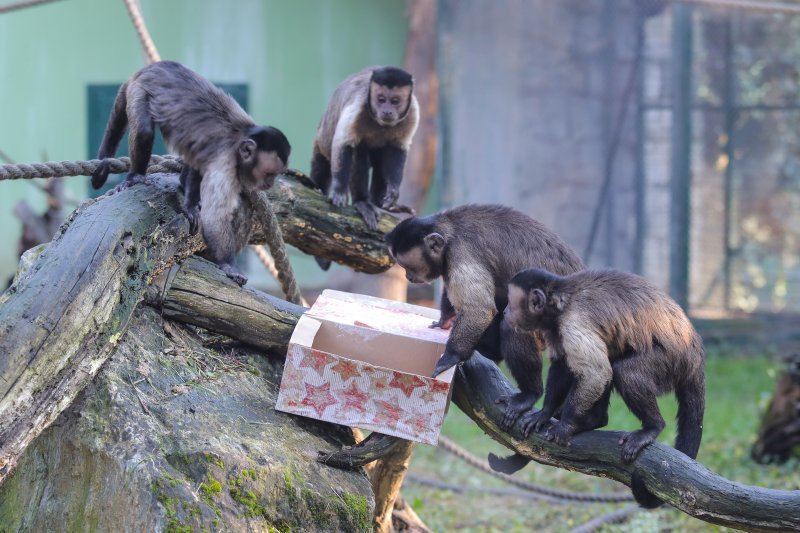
(365, 362)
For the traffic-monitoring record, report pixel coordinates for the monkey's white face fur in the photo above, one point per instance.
(389, 105)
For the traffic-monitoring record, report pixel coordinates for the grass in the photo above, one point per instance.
(737, 392)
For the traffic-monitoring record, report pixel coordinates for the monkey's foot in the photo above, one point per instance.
(444, 323)
(390, 198)
(130, 180)
(233, 272)
(447, 360)
(368, 213)
(632, 443)
(397, 208)
(560, 433)
(535, 421)
(516, 405)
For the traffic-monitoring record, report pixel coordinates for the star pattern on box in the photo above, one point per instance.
(319, 398)
(316, 360)
(346, 369)
(406, 383)
(354, 398)
(430, 394)
(389, 413)
(420, 422)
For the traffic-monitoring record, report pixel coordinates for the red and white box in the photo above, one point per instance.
(365, 362)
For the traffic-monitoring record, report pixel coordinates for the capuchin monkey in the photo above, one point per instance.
(369, 122)
(225, 153)
(609, 329)
(476, 249)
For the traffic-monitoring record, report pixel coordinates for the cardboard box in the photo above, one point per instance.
(365, 362)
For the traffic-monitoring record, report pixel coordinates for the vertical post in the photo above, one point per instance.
(681, 153)
(729, 96)
(640, 184)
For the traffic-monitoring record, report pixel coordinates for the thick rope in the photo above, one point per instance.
(58, 169)
(453, 448)
(168, 164)
(148, 46)
(746, 5)
(461, 488)
(614, 517)
(269, 264)
(22, 5)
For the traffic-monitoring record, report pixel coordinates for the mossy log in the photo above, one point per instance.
(63, 317)
(678, 480)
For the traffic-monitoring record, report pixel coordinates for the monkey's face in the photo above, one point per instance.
(525, 308)
(389, 105)
(419, 266)
(261, 170)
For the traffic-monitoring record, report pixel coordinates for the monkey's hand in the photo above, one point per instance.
(233, 272)
(516, 405)
(448, 359)
(535, 421)
(560, 433)
(444, 322)
(192, 214)
(130, 180)
(368, 213)
(338, 198)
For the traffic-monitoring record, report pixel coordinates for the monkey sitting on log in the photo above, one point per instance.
(369, 122)
(225, 153)
(476, 249)
(609, 329)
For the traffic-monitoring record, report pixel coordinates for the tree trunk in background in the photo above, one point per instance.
(387, 474)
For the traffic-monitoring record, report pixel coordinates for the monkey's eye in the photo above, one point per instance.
(395, 101)
(381, 99)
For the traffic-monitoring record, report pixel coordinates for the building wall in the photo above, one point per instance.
(292, 55)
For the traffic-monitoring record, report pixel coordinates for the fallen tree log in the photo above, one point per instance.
(678, 480)
(63, 317)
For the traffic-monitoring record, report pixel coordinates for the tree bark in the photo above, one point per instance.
(63, 317)
(680, 481)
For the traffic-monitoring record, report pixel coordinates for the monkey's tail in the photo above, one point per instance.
(509, 464)
(115, 129)
(691, 407)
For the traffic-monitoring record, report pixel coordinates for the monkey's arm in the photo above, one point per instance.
(448, 313)
(392, 162)
(471, 291)
(190, 179)
(343, 149)
(559, 381)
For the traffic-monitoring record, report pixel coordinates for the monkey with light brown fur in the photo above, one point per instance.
(225, 153)
(369, 122)
(609, 329)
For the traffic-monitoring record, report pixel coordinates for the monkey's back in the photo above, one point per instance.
(352, 90)
(631, 314)
(194, 116)
(508, 241)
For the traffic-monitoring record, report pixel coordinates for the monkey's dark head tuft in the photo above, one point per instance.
(418, 247)
(271, 139)
(391, 77)
(533, 299)
(390, 95)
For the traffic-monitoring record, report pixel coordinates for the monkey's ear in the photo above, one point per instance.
(434, 242)
(247, 151)
(536, 301)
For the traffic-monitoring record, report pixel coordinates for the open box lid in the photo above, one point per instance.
(388, 316)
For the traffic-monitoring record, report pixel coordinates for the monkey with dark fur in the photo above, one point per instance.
(369, 122)
(609, 329)
(225, 153)
(476, 249)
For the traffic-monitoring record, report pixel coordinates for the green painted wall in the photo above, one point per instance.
(292, 53)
